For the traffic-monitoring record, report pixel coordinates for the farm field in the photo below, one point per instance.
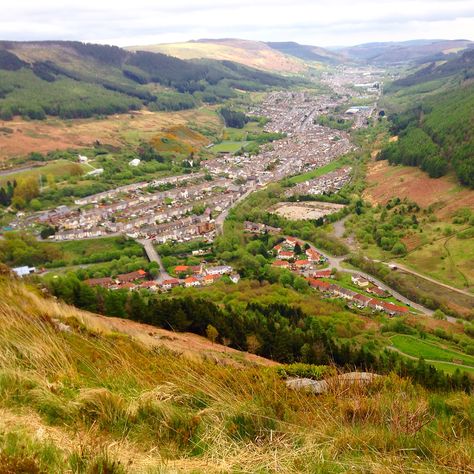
(228, 146)
(334, 165)
(20, 137)
(414, 347)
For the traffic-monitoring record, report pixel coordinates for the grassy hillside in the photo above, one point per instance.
(80, 394)
(73, 80)
(251, 53)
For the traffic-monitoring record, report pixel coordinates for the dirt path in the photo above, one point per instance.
(432, 280)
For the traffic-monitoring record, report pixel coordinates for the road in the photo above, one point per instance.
(336, 263)
(153, 256)
(219, 222)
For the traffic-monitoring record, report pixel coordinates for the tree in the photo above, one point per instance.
(26, 190)
(211, 333)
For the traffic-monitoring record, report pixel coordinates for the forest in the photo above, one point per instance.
(437, 135)
(104, 80)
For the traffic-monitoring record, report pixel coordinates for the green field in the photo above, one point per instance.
(55, 168)
(228, 146)
(334, 165)
(414, 347)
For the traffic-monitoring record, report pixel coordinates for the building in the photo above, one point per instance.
(132, 276)
(285, 255)
(104, 282)
(323, 274)
(134, 162)
(235, 278)
(302, 264)
(82, 159)
(23, 271)
(360, 281)
(281, 264)
(170, 283)
(192, 281)
(219, 270)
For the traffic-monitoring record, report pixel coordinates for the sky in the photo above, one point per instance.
(316, 22)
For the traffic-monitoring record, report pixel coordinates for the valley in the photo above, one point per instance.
(236, 254)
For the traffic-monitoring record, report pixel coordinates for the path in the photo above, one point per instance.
(429, 361)
(432, 280)
(153, 256)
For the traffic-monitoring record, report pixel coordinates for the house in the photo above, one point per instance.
(235, 278)
(219, 270)
(150, 285)
(129, 286)
(360, 281)
(23, 271)
(132, 276)
(170, 283)
(104, 282)
(394, 309)
(134, 162)
(285, 255)
(209, 279)
(377, 291)
(375, 304)
(344, 292)
(281, 264)
(319, 285)
(361, 300)
(181, 269)
(191, 281)
(82, 159)
(313, 255)
(292, 242)
(323, 274)
(302, 264)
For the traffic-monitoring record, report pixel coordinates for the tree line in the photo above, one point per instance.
(278, 331)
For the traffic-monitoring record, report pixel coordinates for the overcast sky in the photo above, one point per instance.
(317, 22)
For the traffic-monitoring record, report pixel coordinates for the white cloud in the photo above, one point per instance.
(323, 22)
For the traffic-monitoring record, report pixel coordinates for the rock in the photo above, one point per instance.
(322, 386)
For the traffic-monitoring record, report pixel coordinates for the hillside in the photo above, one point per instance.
(437, 135)
(306, 52)
(82, 393)
(255, 54)
(403, 52)
(75, 80)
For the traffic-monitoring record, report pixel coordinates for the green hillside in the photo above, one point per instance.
(87, 394)
(437, 135)
(72, 80)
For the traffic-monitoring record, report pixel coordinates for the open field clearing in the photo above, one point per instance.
(429, 350)
(55, 168)
(385, 182)
(449, 260)
(228, 146)
(23, 137)
(334, 165)
(306, 210)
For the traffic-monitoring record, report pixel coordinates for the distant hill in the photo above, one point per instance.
(306, 52)
(255, 54)
(73, 79)
(461, 64)
(403, 52)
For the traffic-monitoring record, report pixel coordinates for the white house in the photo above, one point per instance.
(219, 270)
(134, 162)
(83, 159)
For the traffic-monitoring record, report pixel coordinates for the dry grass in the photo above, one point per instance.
(99, 397)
